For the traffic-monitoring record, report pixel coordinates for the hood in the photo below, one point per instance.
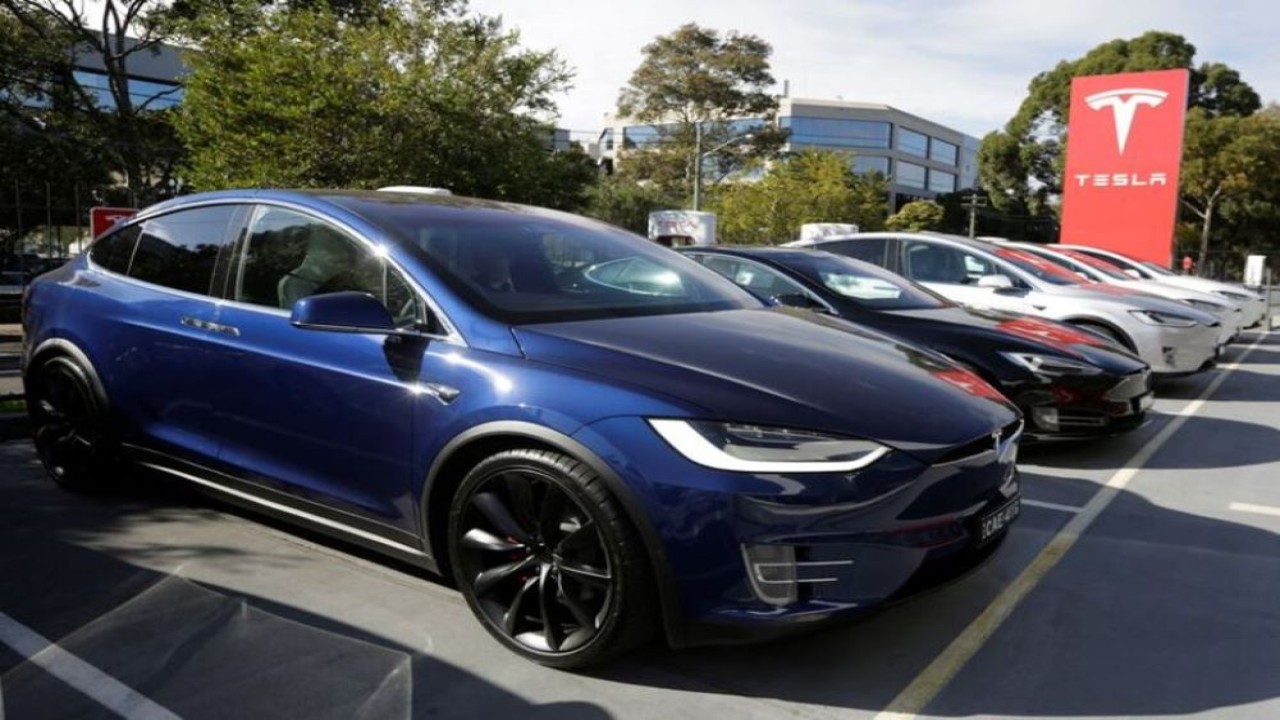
(1207, 285)
(997, 331)
(1135, 299)
(783, 367)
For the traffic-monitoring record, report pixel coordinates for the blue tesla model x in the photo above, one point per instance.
(595, 437)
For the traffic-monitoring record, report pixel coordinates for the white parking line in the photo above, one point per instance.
(1051, 506)
(1255, 509)
(935, 677)
(99, 686)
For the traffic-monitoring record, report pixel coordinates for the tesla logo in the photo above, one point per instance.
(1136, 180)
(1124, 104)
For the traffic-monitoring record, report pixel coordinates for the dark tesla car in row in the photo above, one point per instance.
(1068, 382)
(593, 436)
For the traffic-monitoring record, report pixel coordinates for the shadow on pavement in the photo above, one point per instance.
(197, 650)
(1154, 612)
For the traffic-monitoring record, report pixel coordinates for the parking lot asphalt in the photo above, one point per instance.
(1148, 589)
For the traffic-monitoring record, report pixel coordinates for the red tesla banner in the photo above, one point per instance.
(1123, 151)
(102, 218)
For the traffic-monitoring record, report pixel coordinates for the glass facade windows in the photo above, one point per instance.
(943, 152)
(942, 182)
(822, 132)
(863, 164)
(910, 175)
(910, 141)
(157, 95)
(638, 136)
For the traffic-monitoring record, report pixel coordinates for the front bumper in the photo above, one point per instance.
(1084, 407)
(1177, 351)
(841, 543)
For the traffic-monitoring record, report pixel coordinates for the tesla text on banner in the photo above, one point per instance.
(1123, 150)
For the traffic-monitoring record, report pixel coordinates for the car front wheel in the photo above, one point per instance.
(548, 561)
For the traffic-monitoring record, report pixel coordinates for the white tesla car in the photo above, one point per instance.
(1174, 338)
(1228, 313)
(1253, 305)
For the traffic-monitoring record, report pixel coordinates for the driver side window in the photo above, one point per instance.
(289, 256)
(764, 282)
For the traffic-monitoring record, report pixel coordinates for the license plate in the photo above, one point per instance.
(992, 523)
(1143, 403)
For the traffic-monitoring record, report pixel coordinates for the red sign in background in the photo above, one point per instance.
(1124, 147)
(102, 218)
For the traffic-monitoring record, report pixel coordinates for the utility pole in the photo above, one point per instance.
(697, 166)
(973, 202)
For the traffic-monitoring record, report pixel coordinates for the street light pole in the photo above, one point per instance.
(699, 153)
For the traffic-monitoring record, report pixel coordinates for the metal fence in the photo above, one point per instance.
(42, 225)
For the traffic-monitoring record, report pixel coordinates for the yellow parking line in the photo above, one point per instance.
(934, 678)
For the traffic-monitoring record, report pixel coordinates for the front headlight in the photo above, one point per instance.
(1151, 317)
(740, 447)
(1233, 296)
(1050, 365)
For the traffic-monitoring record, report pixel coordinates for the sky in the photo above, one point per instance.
(965, 64)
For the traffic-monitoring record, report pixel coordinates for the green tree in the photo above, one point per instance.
(428, 95)
(125, 133)
(1021, 166)
(696, 86)
(916, 216)
(622, 201)
(1229, 160)
(812, 186)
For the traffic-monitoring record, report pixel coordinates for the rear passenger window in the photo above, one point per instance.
(870, 250)
(114, 251)
(179, 250)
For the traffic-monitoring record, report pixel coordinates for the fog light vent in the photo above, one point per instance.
(1045, 418)
(772, 569)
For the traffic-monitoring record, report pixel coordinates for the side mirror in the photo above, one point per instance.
(800, 300)
(351, 312)
(1133, 273)
(998, 282)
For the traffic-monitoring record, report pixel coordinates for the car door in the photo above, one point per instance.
(157, 359)
(953, 272)
(323, 421)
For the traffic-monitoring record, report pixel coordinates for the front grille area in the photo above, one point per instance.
(985, 444)
(1131, 386)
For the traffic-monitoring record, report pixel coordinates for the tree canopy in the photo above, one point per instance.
(916, 216)
(701, 89)
(428, 95)
(811, 186)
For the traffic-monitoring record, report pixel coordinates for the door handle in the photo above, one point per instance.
(443, 393)
(207, 326)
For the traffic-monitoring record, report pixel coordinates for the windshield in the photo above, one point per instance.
(1097, 265)
(550, 267)
(1039, 267)
(862, 283)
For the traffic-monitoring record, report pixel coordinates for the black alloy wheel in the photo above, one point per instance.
(547, 561)
(67, 427)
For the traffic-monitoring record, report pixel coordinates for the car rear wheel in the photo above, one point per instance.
(68, 427)
(547, 560)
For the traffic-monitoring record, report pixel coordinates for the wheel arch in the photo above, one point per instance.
(61, 347)
(469, 447)
(1106, 324)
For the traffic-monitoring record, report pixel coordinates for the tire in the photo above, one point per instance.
(69, 427)
(548, 562)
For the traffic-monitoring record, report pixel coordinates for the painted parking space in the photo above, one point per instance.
(217, 588)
